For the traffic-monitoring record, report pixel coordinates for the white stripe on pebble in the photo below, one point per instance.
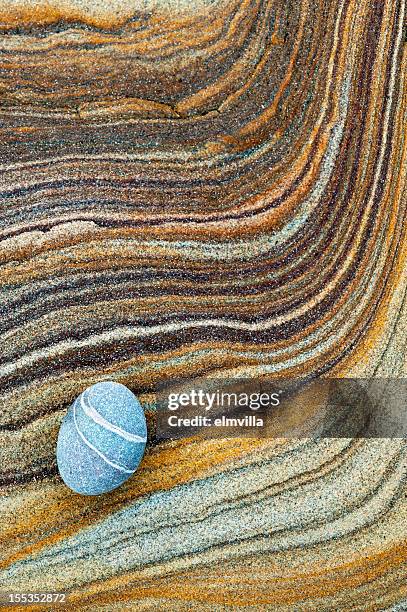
(91, 412)
(116, 466)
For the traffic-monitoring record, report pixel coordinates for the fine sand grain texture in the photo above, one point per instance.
(202, 188)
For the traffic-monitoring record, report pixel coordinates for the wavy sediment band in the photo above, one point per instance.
(189, 190)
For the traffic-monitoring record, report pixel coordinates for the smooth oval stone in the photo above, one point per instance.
(102, 439)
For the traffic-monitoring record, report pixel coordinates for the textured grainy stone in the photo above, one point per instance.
(102, 439)
(223, 194)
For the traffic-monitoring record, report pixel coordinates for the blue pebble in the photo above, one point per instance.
(102, 439)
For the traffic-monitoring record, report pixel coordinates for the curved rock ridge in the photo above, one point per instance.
(211, 189)
(94, 13)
